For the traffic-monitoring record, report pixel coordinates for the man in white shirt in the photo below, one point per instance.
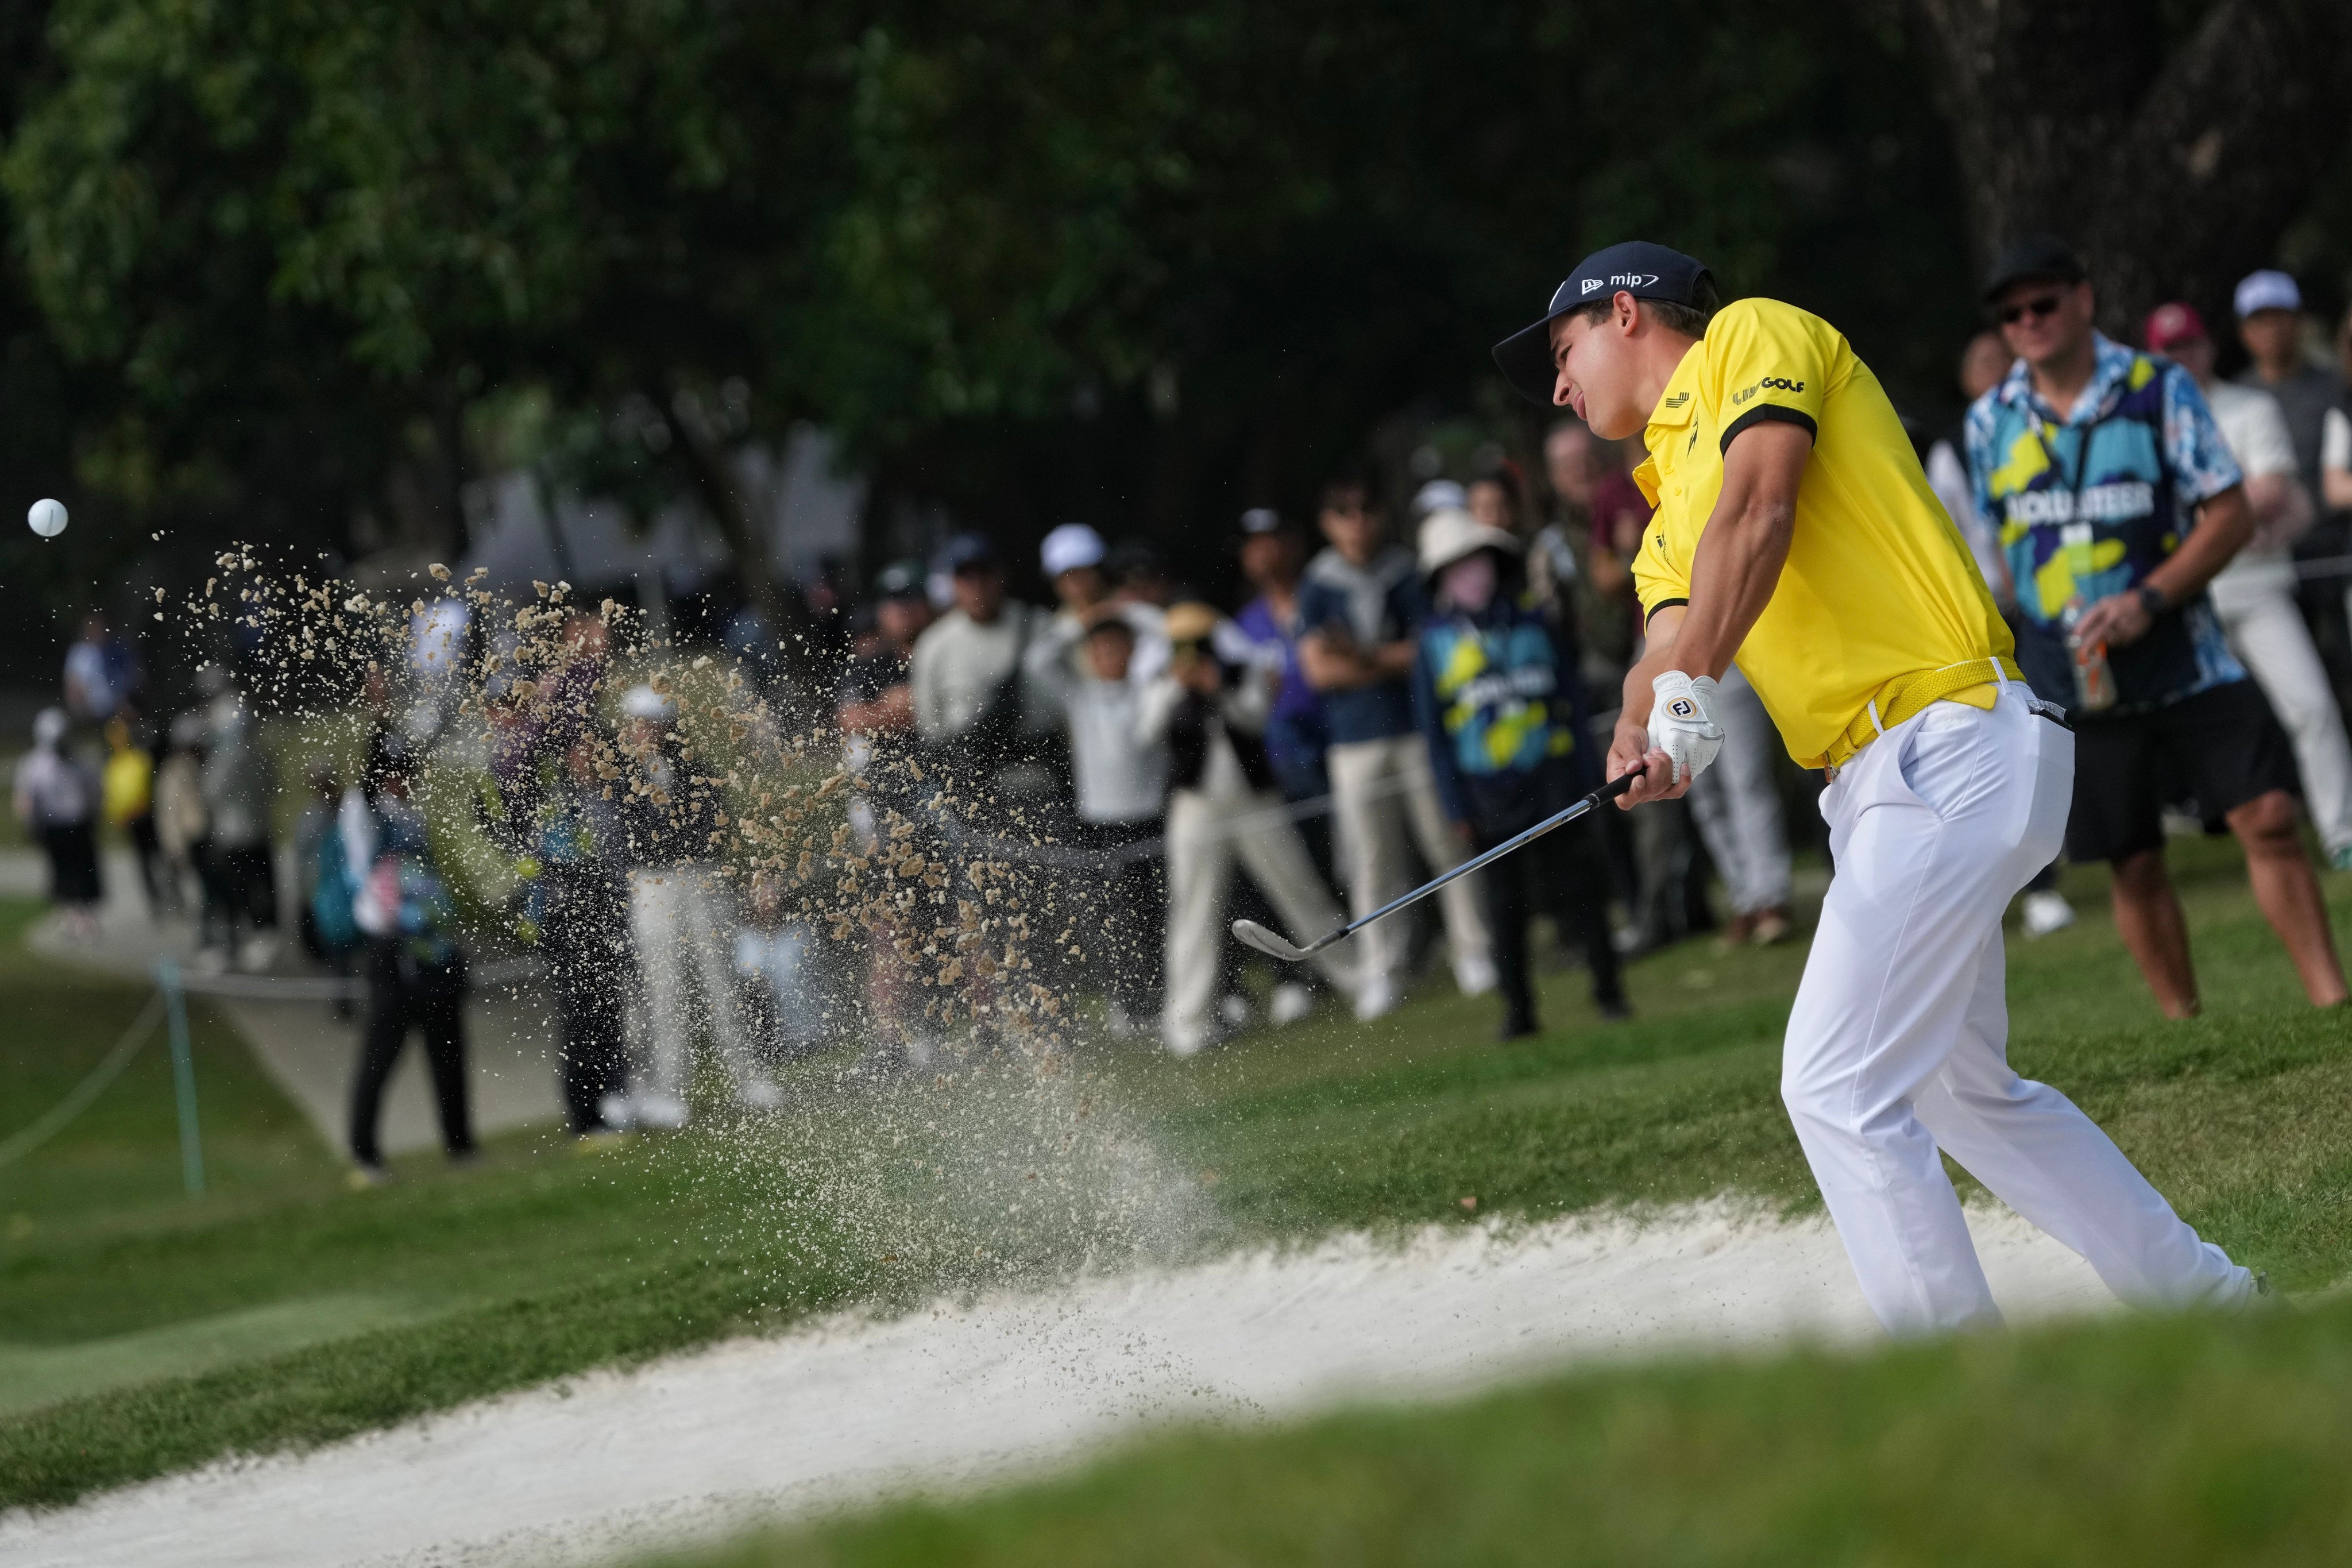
(977, 715)
(2254, 594)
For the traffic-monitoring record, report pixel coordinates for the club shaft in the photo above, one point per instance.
(1609, 791)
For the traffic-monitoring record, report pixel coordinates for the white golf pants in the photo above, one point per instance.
(1381, 792)
(1897, 1044)
(677, 920)
(1736, 803)
(2266, 631)
(1206, 835)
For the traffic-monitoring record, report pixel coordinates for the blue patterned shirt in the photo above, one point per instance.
(2088, 504)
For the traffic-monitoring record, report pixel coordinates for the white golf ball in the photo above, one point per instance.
(47, 517)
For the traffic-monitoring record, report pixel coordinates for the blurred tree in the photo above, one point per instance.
(2175, 143)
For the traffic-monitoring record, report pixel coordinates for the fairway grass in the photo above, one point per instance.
(2187, 1441)
(141, 1333)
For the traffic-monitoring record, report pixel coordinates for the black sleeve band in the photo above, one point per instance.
(1764, 411)
(1652, 613)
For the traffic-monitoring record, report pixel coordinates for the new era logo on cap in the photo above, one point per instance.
(1638, 267)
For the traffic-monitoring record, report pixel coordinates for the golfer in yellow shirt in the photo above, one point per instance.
(1796, 532)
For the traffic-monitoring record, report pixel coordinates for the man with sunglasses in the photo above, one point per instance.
(1795, 530)
(2117, 500)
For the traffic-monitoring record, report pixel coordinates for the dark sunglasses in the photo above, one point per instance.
(2040, 305)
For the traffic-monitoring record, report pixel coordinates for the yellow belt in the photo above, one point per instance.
(1909, 696)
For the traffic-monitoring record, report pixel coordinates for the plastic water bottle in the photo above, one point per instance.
(2095, 682)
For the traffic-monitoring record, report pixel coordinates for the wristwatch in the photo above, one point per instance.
(2152, 600)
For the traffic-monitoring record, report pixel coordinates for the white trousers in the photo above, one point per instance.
(1381, 790)
(1736, 803)
(678, 920)
(1897, 1044)
(1203, 846)
(2266, 631)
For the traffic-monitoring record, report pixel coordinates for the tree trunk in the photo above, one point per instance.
(702, 458)
(2173, 173)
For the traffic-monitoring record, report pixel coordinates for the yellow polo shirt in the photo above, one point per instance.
(1880, 602)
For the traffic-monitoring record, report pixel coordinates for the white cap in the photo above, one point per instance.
(1450, 534)
(2268, 290)
(645, 703)
(1438, 495)
(1069, 547)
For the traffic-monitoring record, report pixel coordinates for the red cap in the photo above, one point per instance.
(2172, 323)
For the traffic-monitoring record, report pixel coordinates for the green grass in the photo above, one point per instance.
(2156, 1442)
(141, 1333)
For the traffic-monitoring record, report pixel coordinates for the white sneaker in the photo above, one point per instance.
(616, 1112)
(1476, 977)
(1119, 1023)
(1376, 999)
(258, 953)
(1290, 1003)
(2046, 913)
(1235, 1011)
(760, 1093)
(660, 1110)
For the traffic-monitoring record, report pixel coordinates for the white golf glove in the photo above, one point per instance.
(1682, 723)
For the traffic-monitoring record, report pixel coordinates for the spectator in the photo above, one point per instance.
(1437, 495)
(1358, 608)
(102, 673)
(2254, 594)
(1983, 364)
(976, 713)
(1139, 577)
(318, 862)
(240, 791)
(2120, 501)
(1072, 556)
(128, 790)
(2269, 308)
(57, 801)
(439, 632)
(2335, 434)
(1222, 807)
(1273, 562)
(564, 822)
(874, 709)
(1498, 500)
(1121, 773)
(180, 824)
(1736, 806)
(679, 914)
(415, 970)
(777, 951)
(1492, 699)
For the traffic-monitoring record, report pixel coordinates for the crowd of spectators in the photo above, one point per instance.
(1400, 683)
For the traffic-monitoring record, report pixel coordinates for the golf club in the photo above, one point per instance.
(1251, 934)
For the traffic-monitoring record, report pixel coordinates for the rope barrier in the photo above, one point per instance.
(78, 1098)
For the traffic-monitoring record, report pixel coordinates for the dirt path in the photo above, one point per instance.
(962, 1395)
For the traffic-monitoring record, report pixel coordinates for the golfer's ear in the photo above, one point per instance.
(1627, 313)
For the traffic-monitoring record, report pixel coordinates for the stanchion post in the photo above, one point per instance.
(184, 1074)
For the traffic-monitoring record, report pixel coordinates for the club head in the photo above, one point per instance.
(1249, 933)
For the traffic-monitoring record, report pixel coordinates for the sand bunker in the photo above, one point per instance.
(961, 1395)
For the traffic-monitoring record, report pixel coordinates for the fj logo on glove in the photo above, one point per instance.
(1683, 708)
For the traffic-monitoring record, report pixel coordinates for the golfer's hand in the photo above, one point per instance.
(2118, 620)
(1629, 753)
(1682, 723)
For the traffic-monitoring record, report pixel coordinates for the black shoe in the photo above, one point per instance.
(1615, 1010)
(1519, 1026)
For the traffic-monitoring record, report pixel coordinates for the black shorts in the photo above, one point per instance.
(2218, 749)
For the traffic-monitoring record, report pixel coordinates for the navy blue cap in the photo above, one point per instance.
(1638, 267)
(967, 550)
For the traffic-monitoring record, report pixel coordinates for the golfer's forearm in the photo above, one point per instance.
(1657, 658)
(1744, 545)
(1733, 573)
